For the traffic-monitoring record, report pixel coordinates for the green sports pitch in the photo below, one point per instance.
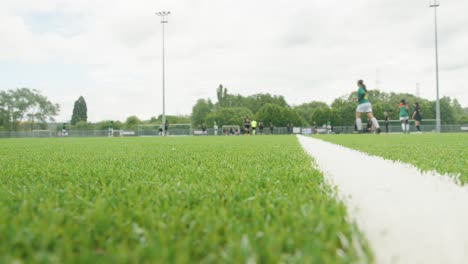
(444, 153)
(170, 200)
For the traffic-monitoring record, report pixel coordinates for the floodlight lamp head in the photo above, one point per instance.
(434, 3)
(164, 13)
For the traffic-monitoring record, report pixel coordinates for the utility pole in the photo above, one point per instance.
(435, 5)
(163, 16)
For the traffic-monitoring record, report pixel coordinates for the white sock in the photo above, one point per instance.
(407, 127)
(375, 122)
(403, 127)
(359, 124)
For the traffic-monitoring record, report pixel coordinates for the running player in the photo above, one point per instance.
(404, 116)
(364, 106)
(417, 116)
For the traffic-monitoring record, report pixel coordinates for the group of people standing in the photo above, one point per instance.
(364, 106)
(250, 126)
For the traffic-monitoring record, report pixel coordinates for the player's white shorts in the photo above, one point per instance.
(404, 118)
(364, 108)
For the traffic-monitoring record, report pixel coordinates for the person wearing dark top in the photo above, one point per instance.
(417, 116)
(203, 128)
(387, 121)
(369, 126)
(260, 127)
(247, 125)
(271, 128)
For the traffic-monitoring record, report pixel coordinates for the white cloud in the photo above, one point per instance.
(304, 50)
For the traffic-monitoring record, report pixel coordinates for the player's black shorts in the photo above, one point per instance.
(418, 118)
(247, 126)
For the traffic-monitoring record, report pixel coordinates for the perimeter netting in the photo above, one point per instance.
(157, 129)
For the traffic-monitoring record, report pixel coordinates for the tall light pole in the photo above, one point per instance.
(435, 5)
(163, 16)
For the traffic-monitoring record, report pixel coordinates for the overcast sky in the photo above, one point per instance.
(109, 51)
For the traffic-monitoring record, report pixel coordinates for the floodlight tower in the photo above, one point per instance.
(435, 5)
(163, 16)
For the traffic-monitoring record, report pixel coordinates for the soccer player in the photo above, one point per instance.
(387, 120)
(417, 116)
(247, 125)
(253, 124)
(215, 127)
(364, 106)
(111, 129)
(272, 128)
(404, 116)
(260, 127)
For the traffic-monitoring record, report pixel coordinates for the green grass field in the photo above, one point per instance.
(445, 153)
(169, 200)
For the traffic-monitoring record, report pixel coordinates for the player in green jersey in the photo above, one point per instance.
(404, 116)
(364, 106)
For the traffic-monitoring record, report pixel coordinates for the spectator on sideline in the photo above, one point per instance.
(260, 127)
(271, 127)
(417, 116)
(387, 121)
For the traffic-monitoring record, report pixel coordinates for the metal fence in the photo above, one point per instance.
(393, 128)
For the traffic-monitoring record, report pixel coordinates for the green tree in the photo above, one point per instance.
(322, 115)
(272, 113)
(200, 111)
(171, 119)
(104, 125)
(221, 95)
(82, 125)
(279, 115)
(132, 122)
(305, 110)
(80, 111)
(26, 105)
(343, 110)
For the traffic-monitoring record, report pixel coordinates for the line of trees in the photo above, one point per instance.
(230, 109)
(24, 108)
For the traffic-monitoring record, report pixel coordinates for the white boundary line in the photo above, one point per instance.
(407, 216)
